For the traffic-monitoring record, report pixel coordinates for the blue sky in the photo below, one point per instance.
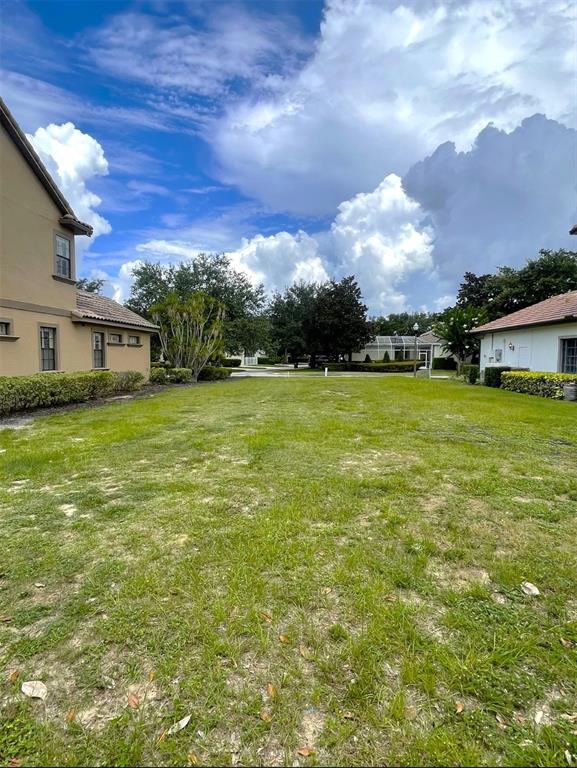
(402, 143)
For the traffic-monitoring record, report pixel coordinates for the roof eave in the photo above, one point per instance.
(77, 226)
(79, 318)
(39, 169)
(558, 321)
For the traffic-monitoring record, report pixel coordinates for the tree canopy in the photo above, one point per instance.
(510, 289)
(309, 319)
(402, 323)
(245, 326)
(190, 329)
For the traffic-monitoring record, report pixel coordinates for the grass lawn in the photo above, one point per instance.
(332, 565)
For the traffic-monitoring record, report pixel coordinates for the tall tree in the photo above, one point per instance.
(292, 322)
(454, 330)
(190, 330)
(213, 274)
(341, 318)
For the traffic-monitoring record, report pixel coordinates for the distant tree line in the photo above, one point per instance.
(329, 320)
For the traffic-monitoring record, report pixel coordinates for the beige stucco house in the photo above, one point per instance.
(46, 323)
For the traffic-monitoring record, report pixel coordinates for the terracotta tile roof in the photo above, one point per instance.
(97, 307)
(554, 310)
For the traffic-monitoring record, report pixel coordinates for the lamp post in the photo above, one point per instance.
(415, 329)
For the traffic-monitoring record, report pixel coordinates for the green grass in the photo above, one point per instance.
(358, 544)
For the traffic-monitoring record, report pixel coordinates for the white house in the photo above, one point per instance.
(423, 347)
(542, 337)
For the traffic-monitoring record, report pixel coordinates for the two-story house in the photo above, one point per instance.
(46, 323)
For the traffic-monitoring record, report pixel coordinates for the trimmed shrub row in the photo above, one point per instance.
(270, 360)
(536, 383)
(170, 375)
(214, 373)
(230, 362)
(400, 366)
(492, 375)
(470, 373)
(42, 390)
(444, 364)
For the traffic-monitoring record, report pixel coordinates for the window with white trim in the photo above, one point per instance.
(134, 340)
(115, 338)
(63, 257)
(4, 328)
(97, 349)
(47, 348)
(569, 355)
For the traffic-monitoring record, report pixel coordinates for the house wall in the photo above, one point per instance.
(538, 349)
(21, 356)
(28, 224)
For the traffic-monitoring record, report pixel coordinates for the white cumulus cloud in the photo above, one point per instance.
(499, 203)
(74, 158)
(388, 82)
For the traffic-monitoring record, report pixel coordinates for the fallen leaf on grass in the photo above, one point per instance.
(502, 723)
(182, 723)
(539, 715)
(305, 652)
(192, 758)
(519, 718)
(39, 585)
(15, 761)
(390, 598)
(566, 643)
(151, 676)
(35, 689)
(133, 701)
(71, 716)
(568, 757)
(284, 639)
(305, 751)
(326, 590)
(459, 707)
(14, 675)
(265, 616)
(348, 716)
(266, 716)
(5, 618)
(571, 717)
(529, 589)
(271, 690)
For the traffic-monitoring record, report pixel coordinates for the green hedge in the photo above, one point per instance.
(444, 364)
(212, 373)
(399, 366)
(537, 383)
(158, 375)
(470, 373)
(43, 390)
(170, 375)
(270, 360)
(179, 375)
(492, 375)
(231, 362)
(129, 381)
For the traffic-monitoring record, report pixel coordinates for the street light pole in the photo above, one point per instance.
(415, 329)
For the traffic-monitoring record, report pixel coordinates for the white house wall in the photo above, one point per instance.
(538, 349)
